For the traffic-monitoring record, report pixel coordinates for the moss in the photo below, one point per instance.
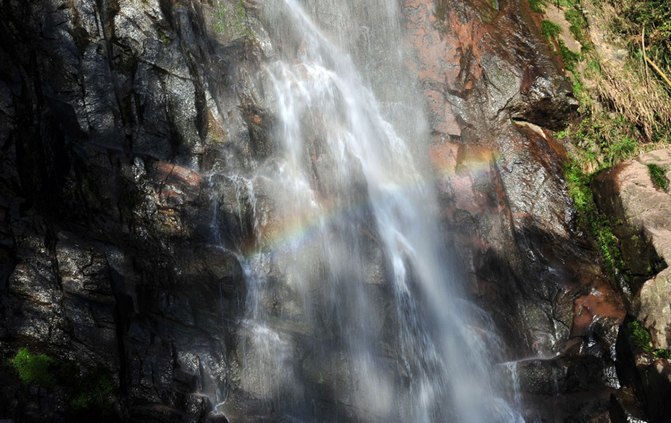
(87, 393)
(164, 37)
(658, 177)
(34, 369)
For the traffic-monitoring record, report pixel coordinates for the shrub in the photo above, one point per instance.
(87, 393)
(33, 369)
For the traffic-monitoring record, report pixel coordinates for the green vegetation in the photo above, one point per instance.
(623, 108)
(569, 57)
(538, 6)
(33, 369)
(578, 25)
(658, 177)
(88, 392)
(601, 142)
(590, 218)
(550, 29)
(641, 339)
(633, 17)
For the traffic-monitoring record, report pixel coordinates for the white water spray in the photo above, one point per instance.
(353, 312)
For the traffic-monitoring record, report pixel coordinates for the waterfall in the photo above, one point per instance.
(353, 313)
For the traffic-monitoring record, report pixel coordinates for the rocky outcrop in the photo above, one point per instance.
(640, 212)
(639, 208)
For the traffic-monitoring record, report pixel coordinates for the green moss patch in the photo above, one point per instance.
(658, 177)
(34, 369)
(590, 218)
(88, 392)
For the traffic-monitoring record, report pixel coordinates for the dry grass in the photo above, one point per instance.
(625, 84)
(641, 100)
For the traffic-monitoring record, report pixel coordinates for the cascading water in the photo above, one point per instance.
(352, 311)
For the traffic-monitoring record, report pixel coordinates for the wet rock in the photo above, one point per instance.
(567, 387)
(649, 377)
(108, 110)
(492, 93)
(625, 408)
(546, 101)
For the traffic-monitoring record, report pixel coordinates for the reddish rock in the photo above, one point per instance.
(494, 93)
(165, 172)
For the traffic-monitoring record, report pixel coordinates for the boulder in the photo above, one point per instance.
(641, 217)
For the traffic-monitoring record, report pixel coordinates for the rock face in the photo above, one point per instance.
(640, 212)
(493, 93)
(119, 122)
(112, 112)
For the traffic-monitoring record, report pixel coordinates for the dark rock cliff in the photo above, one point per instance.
(114, 118)
(107, 107)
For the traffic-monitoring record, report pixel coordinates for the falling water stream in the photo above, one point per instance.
(353, 313)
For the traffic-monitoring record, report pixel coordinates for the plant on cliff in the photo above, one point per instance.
(658, 177)
(550, 29)
(33, 369)
(610, 85)
(538, 6)
(641, 339)
(590, 218)
(88, 392)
